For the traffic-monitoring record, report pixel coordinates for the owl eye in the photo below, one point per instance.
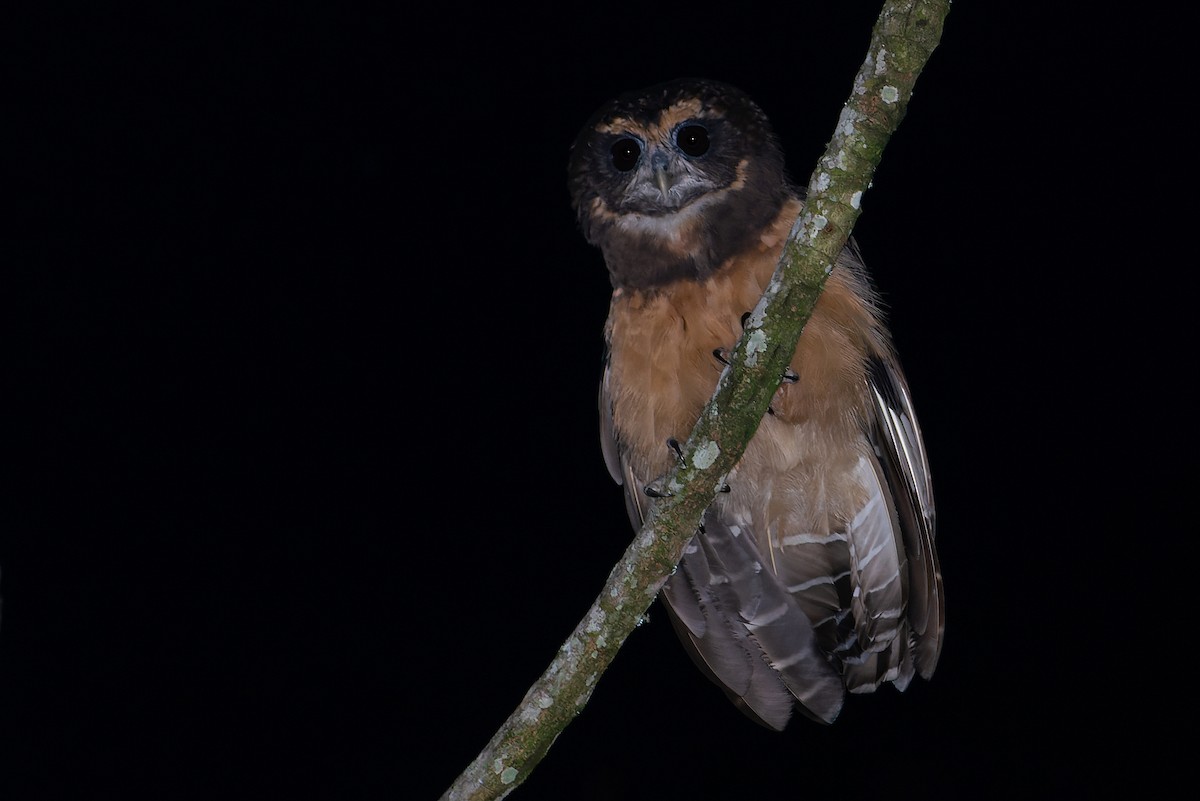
(625, 153)
(692, 139)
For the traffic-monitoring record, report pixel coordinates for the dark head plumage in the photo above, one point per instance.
(668, 181)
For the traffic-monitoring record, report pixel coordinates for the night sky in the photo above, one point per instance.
(305, 480)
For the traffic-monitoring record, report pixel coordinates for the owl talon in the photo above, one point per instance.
(657, 489)
(790, 376)
(722, 354)
(676, 449)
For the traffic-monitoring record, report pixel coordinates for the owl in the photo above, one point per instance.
(815, 572)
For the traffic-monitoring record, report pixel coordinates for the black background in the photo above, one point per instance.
(305, 481)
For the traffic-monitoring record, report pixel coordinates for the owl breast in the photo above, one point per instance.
(663, 370)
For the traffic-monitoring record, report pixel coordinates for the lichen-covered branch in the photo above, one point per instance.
(904, 37)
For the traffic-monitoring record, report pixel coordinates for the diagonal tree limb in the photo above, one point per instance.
(902, 41)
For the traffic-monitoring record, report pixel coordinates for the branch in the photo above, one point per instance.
(903, 39)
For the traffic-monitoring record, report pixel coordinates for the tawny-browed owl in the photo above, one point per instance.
(815, 573)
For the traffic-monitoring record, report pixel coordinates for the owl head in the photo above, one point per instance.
(670, 180)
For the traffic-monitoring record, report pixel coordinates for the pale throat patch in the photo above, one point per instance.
(676, 228)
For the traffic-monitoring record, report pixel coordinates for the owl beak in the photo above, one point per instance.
(663, 181)
(663, 177)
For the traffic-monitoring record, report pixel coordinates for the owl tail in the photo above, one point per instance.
(746, 632)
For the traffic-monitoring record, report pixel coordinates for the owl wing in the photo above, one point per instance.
(900, 450)
(873, 587)
(738, 623)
